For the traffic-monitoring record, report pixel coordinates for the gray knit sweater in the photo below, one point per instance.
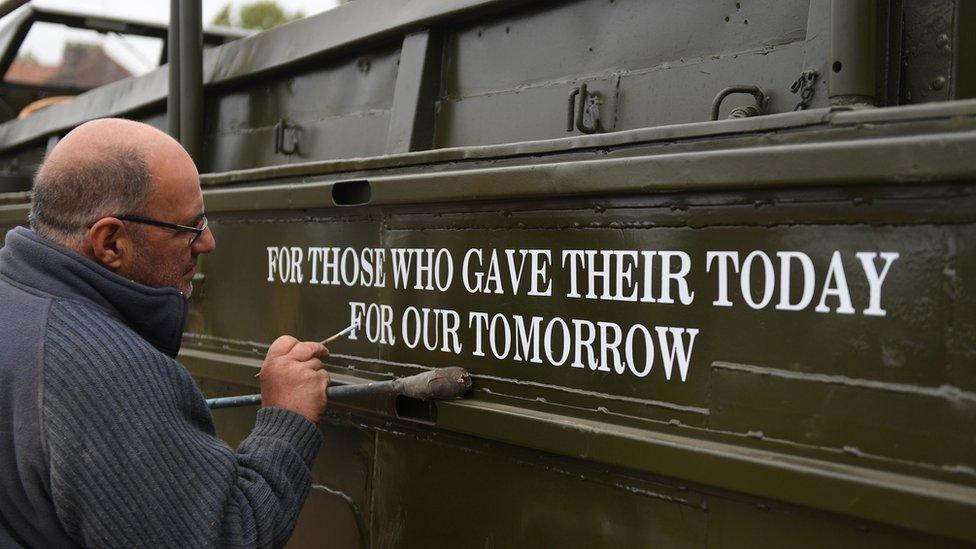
(105, 440)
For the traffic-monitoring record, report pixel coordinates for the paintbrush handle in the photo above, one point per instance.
(345, 331)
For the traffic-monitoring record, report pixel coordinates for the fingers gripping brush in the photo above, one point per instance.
(347, 330)
(439, 384)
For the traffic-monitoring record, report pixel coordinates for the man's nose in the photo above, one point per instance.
(205, 244)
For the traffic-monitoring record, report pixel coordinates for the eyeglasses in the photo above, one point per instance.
(197, 231)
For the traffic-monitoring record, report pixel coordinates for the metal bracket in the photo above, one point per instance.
(741, 112)
(578, 99)
(286, 137)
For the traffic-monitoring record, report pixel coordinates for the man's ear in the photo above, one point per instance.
(111, 244)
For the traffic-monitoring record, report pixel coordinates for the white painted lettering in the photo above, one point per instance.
(586, 343)
(609, 346)
(648, 350)
(575, 262)
(836, 285)
(676, 350)
(786, 279)
(541, 283)
(527, 339)
(479, 321)
(769, 279)
(685, 295)
(565, 339)
(875, 280)
(724, 259)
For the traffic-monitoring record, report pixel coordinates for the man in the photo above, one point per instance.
(105, 440)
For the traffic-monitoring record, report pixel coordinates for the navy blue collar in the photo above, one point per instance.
(158, 315)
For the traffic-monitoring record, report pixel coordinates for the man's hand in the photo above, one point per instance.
(292, 377)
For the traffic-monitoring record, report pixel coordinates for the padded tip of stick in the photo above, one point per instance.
(439, 383)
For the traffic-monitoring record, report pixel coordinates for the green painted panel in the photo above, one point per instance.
(591, 36)
(785, 427)
(738, 523)
(436, 494)
(508, 79)
(341, 109)
(875, 383)
(893, 349)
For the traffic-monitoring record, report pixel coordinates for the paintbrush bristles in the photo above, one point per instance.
(348, 329)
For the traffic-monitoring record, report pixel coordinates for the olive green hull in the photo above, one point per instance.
(823, 390)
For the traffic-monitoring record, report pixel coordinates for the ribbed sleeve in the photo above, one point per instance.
(132, 452)
(278, 424)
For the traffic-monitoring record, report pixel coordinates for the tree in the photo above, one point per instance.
(261, 15)
(223, 17)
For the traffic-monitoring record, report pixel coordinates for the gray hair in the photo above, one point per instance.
(69, 196)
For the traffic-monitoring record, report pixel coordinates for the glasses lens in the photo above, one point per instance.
(203, 228)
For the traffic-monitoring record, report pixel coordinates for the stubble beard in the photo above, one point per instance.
(157, 273)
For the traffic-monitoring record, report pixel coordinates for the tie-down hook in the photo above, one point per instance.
(575, 115)
(762, 101)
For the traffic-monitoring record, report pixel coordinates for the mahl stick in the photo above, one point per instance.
(439, 383)
(348, 329)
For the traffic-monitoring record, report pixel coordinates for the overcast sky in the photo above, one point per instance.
(158, 10)
(137, 54)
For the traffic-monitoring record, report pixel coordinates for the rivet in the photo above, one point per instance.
(938, 83)
(942, 40)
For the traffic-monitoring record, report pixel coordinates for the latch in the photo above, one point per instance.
(286, 137)
(581, 103)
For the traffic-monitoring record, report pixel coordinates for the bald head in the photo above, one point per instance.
(103, 167)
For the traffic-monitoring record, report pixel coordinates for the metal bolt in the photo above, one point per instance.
(939, 82)
(942, 40)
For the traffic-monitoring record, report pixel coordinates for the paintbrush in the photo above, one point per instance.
(348, 329)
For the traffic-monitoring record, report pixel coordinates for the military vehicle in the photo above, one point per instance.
(710, 264)
(28, 84)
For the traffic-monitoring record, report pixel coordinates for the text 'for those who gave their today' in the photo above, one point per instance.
(785, 280)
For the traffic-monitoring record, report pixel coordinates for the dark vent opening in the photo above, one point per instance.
(416, 409)
(351, 193)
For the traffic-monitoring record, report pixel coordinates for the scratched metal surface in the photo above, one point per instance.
(888, 394)
(343, 110)
(792, 428)
(800, 415)
(446, 490)
(638, 60)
